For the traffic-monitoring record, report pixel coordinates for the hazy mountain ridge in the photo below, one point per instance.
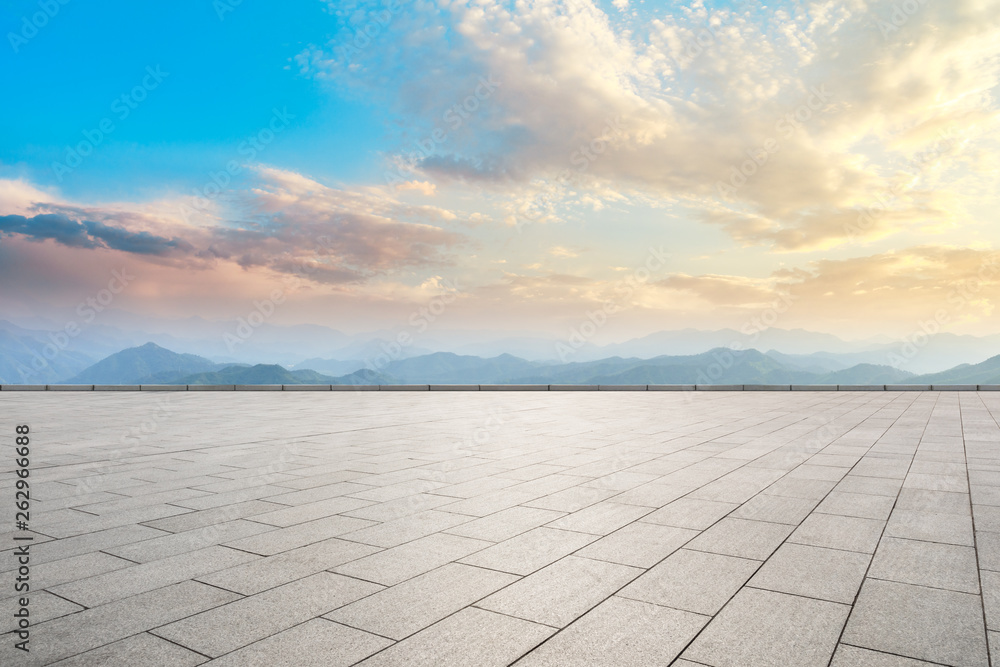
(333, 352)
(153, 364)
(138, 365)
(986, 372)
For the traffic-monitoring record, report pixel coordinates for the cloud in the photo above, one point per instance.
(843, 110)
(288, 224)
(88, 234)
(560, 251)
(722, 290)
(423, 187)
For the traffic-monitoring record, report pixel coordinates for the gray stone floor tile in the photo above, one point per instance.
(400, 507)
(619, 633)
(215, 500)
(54, 573)
(135, 502)
(952, 483)
(381, 494)
(987, 517)
(409, 528)
(470, 637)
(930, 527)
(654, 495)
(315, 643)
(776, 509)
(601, 518)
(852, 656)
(918, 622)
(316, 494)
(984, 477)
(814, 572)
(623, 480)
(839, 532)
(811, 489)
(763, 629)
(988, 550)
(86, 523)
(259, 616)
(861, 505)
(741, 537)
(505, 524)
(289, 516)
(991, 598)
(104, 588)
(638, 544)
(693, 581)
(413, 605)
(530, 551)
(941, 502)
(876, 486)
(271, 571)
(90, 542)
(986, 495)
(276, 540)
(926, 564)
(395, 565)
(488, 503)
(142, 649)
(572, 499)
(118, 620)
(690, 513)
(176, 544)
(818, 472)
(558, 594)
(43, 606)
(216, 515)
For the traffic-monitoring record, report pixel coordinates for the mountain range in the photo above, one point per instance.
(333, 352)
(115, 352)
(153, 364)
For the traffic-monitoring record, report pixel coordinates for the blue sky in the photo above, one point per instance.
(224, 76)
(839, 154)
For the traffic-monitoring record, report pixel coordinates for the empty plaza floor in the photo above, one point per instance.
(727, 529)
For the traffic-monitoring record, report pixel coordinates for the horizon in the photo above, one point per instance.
(546, 167)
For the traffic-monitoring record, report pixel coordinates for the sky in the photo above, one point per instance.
(521, 166)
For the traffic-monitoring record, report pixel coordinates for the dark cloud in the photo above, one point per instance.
(87, 234)
(53, 226)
